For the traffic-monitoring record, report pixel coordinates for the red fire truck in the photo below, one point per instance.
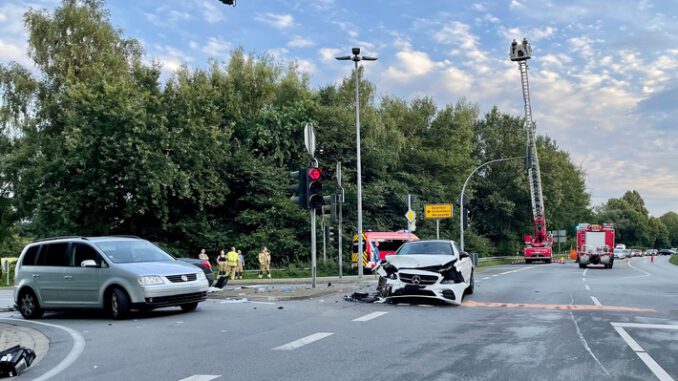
(595, 245)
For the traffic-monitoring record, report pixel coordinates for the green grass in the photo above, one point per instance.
(496, 262)
(674, 259)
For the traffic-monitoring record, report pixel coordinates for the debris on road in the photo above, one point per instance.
(233, 301)
(15, 360)
(363, 297)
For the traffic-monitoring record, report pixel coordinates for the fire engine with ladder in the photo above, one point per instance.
(539, 246)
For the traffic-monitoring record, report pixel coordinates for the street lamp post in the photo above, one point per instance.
(461, 197)
(357, 58)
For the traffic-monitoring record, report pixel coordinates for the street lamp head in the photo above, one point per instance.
(343, 58)
(355, 51)
(366, 58)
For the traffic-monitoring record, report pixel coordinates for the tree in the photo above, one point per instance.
(670, 220)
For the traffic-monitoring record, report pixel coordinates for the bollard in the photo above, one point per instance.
(652, 259)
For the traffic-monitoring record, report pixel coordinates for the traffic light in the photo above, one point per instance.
(314, 188)
(331, 234)
(330, 207)
(299, 188)
(467, 218)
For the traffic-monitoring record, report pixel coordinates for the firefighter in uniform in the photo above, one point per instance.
(264, 262)
(231, 263)
(221, 262)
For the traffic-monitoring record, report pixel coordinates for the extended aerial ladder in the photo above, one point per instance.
(537, 247)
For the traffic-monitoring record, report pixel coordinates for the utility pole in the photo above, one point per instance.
(340, 202)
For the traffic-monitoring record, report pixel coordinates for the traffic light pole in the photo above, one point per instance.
(339, 234)
(324, 229)
(313, 251)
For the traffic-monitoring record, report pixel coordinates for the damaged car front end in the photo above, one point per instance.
(443, 275)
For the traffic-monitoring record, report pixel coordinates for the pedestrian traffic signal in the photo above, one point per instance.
(314, 188)
(331, 234)
(298, 188)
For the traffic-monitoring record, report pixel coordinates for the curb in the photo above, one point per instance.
(6, 309)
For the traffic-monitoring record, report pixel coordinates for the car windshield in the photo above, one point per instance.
(133, 252)
(425, 248)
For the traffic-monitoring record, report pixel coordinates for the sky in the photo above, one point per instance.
(603, 75)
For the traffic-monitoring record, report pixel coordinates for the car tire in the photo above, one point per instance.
(188, 307)
(471, 286)
(29, 307)
(548, 261)
(528, 261)
(582, 266)
(118, 304)
(610, 265)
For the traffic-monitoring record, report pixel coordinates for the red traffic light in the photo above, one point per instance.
(314, 173)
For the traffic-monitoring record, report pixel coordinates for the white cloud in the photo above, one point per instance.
(515, 4)
(347, 27)
(278, 53)
(300, 42)
(464, 42)
(279, 21)
(210, 12)
(169, 57)
(306, 66)
(216, 47)
(480, 7)
(322, 4)
(328, 54)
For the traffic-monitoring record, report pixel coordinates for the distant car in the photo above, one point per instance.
(651, 252)
(116, 274)
(636, 253)
(665, 252)
(619, 253)
(205, 265)
(434, 269)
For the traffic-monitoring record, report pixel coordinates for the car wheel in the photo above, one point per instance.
(188, 307)
(471, 286)
(610, 265)
(582, 266)
(119, 304)
(528, 261)
(29, 307)
(548, 261)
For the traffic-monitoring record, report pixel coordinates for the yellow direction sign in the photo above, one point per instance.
(433, 211)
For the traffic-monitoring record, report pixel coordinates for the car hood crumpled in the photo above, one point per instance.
(419, 261)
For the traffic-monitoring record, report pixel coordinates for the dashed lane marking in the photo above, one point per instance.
(201, 377)
(596, 301)
(303, 341)
(516, 270)
(584, 273)
(564, 307)
(371, 316)
(587, 286)
(487, 277)
(642, 354)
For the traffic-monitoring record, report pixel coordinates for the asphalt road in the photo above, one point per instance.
(524, 322)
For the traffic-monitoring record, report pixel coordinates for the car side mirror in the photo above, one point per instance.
(88, 263)
(463, 254)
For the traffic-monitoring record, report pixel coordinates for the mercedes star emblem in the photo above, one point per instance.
(184, 278)
(416, 279)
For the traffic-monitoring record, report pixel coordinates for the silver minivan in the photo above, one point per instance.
(117, 274)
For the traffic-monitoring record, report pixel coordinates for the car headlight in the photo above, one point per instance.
(201, 275)
(150, 280)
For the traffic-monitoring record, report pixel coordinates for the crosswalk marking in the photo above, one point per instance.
(303, 341)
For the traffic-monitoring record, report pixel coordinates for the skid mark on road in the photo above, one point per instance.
(586, 344)
(564, 307)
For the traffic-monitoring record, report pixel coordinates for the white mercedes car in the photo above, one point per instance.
(426, 269)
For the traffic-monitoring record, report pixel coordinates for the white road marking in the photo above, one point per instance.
(269, 303)
(303, 341)
(487, 277)
(587, 286)
(201, 377)
(635, 268)
(495, 275)
(371, 316)
(76, 351)
(647, 359)
(584, 273)
(595, 301)
(520, 269)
